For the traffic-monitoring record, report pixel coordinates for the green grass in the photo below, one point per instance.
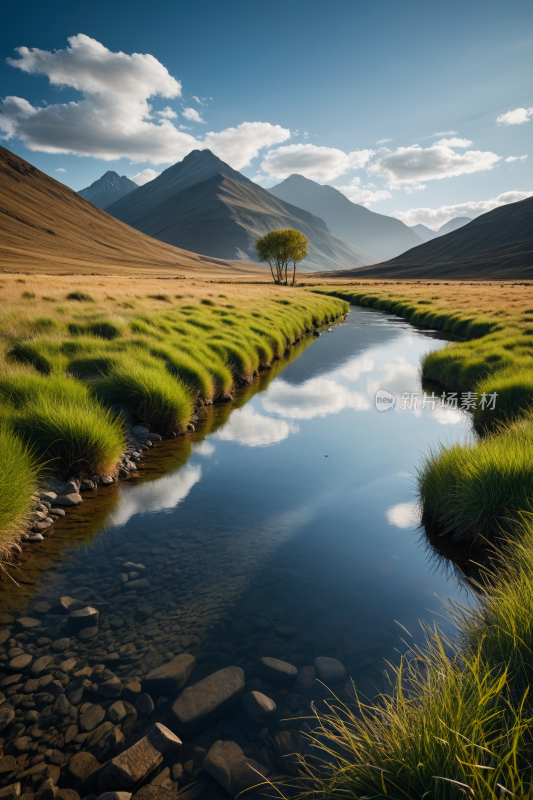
(18, 480)
(68, 376)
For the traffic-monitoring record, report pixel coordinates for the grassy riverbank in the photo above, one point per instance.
(78, 354)
(461, 718)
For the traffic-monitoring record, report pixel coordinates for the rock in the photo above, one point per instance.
(67, 794)
(170, 677)
(228, 765)
(115, 796)
(110, 688)
(306, 679)
(276, 672)
(86, 634)
(91, 717)
(81, 766)
(68, 665)
(7, 764)
(142, 583)
(60, 645)
(49, 496)
(330, 671)
(67, 605)
(199, 705)
(67, 500)
(57, 512)
(71, 733)
(82, 618)
(40, 664)
(140, 430)
(98, 733)
(258, 707)
(34, 537)
(62, 707)
(11, 792)
(28, 622)
(20, 662)
(72, 485)
(133, 765)
(133, 690)
(116, 712)
(144, 704)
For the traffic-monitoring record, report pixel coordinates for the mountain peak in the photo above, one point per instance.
(108, 189)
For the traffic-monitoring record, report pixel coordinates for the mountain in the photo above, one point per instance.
(496, 245)
(108, 189)
(202, 204)
(384, 237)
(426, 234)
(47, 227)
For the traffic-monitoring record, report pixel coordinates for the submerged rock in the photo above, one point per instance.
(170, 677)
(201, 704)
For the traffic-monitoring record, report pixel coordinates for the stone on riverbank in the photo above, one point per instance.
(134, 764)
(66, 500)
(228, 765)
(201, 704)
(170, 677)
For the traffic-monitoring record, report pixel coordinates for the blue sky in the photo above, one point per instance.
(326, 83)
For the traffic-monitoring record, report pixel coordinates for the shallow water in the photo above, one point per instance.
(285, 526)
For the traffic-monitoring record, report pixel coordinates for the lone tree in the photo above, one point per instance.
(280, 249)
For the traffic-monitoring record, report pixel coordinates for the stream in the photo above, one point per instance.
(286, 526)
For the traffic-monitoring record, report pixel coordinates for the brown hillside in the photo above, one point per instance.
(45, 227)
(497, 245)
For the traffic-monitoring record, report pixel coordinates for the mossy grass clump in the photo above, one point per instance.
(19, 471)
(82, 297)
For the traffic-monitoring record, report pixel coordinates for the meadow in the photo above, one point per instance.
(458, 719)
(82, 356)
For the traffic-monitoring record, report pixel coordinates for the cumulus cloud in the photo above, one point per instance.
(510, 159)
(515, 117)
(161, 495)
(454, 142)
(239, 145)
(192, 115)
(167, 113)
(114, 118)
(60, 169)
(414, 164)
(435, 217)
(312, 161)
(384, 141)
(363, 195)
(404, 515)
(145, 176)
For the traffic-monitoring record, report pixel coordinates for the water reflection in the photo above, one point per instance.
(246, 531)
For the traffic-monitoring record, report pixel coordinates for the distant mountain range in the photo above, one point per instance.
(45, 227)
(498, 245)
(204, 205)
(108, 189)
(384, 237)
(426, 234)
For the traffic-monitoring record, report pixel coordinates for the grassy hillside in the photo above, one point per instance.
(75, 358)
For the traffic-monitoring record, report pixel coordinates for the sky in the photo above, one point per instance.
(422, 111)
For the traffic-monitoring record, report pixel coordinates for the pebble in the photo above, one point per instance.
(330, 671)
(67, 500)
(258, 707)
(277, 672)
(131, 766)
(170, 677)
(20, 662)
(28, 622)
(40, 664)
(91, 717)
(82, 618)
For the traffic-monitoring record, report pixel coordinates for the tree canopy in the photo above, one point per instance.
(279, 249)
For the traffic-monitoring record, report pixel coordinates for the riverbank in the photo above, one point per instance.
(83, 364)
(460, 718)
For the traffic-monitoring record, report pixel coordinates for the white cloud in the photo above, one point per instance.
(435, 217)
(312, 161)
(317, 397)
(404, 515)
(355, 368)
(384, 141)
(200, 101)
(114, 118)
(515, 117)
(185, 127)
(363, 195)
(167, 113)
(192, 115)
(145, 176)
(443, 133)
(414, 164)
(238, 146)
(510, 159)
(248, 427)
(306, 135)
(60, 169)
(454, 142)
